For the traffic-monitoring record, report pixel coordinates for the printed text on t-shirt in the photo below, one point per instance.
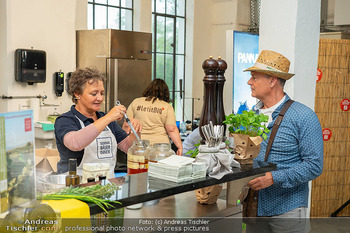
(149, 109)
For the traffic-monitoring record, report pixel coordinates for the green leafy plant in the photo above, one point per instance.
(194, 152)
(248, 123)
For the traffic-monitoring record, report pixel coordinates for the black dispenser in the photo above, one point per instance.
(59, 83)
(30, 66)
(69, 74)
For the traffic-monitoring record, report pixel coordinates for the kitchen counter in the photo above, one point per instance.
(140, 188)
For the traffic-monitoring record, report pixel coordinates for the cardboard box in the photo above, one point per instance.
(46, 160)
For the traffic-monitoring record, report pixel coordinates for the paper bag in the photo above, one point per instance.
(246, 148)
(208, 195)
(46, 160)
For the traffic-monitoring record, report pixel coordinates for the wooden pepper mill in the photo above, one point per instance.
(220, 81)
(210, 67)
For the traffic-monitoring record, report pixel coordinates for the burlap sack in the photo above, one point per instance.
(208, 195)
(246, 148)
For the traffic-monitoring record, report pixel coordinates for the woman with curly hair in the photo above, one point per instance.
(84, 132)
(156, 115)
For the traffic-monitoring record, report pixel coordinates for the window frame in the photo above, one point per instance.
(107, 6)
(174, 53)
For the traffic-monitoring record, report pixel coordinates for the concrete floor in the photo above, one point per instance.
(330, 225)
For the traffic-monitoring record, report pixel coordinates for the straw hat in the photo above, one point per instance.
(272, 63)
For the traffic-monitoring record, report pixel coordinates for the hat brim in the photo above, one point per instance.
(278, 74)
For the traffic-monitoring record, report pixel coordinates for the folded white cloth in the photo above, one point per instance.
(218, 161)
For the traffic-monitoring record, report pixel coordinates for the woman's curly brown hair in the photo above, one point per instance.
(80, 77)
(157, 89)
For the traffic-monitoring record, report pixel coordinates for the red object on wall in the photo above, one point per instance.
(319, 75)
(27, 124)
(327, 134)
(344, 105)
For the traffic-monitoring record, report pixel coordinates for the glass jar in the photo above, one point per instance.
(160, 151)
(138, 156)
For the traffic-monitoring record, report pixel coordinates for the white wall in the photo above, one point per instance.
(3, 60)
(212, 18)
(47, 25)
(292, 28)
(143, 15)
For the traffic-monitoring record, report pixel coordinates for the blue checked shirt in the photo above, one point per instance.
(298, 153)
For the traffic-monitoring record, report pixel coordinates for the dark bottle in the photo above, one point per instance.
(102, 179)
(90, 179)
(72, 178)
(210, 67)
(220, 81)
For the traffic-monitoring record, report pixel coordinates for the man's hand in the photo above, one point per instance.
(261, 182)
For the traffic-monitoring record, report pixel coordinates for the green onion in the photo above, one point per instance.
(94, 194)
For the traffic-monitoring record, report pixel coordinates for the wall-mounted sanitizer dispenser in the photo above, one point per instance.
(30, 66)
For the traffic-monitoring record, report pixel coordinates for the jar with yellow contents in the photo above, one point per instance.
(138, 157)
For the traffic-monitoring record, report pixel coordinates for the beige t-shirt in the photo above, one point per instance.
(154, 117)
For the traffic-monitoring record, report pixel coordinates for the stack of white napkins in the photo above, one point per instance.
(199, 170)
(177, 169)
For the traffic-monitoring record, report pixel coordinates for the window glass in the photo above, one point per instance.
(160, 66)
(180, 35)
(180, 7)
(169, 45)
(101, 1)
(170, 7)
(104, 14)
(113, 18)
(100, 17)
(168, 36)
(113, 2)
(160, 6)
(90, 17)
(160, 32)
(126, 3)
(125, 23)
(153, 38)
(178, 105)
(179, 70)
(169, 77)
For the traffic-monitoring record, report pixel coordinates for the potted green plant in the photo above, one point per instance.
(248, 131)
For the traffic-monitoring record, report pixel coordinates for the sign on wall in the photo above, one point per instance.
(245, 53)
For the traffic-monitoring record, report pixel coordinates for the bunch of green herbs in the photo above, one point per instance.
(248, 123)
(96, 194)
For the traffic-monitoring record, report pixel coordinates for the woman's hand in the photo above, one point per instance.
(135, 123)
(117, 113)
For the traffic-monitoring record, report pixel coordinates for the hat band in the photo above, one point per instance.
(265, 67)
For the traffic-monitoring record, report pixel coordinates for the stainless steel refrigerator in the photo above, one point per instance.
(124, 57)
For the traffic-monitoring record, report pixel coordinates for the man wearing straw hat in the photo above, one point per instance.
(297, 149)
